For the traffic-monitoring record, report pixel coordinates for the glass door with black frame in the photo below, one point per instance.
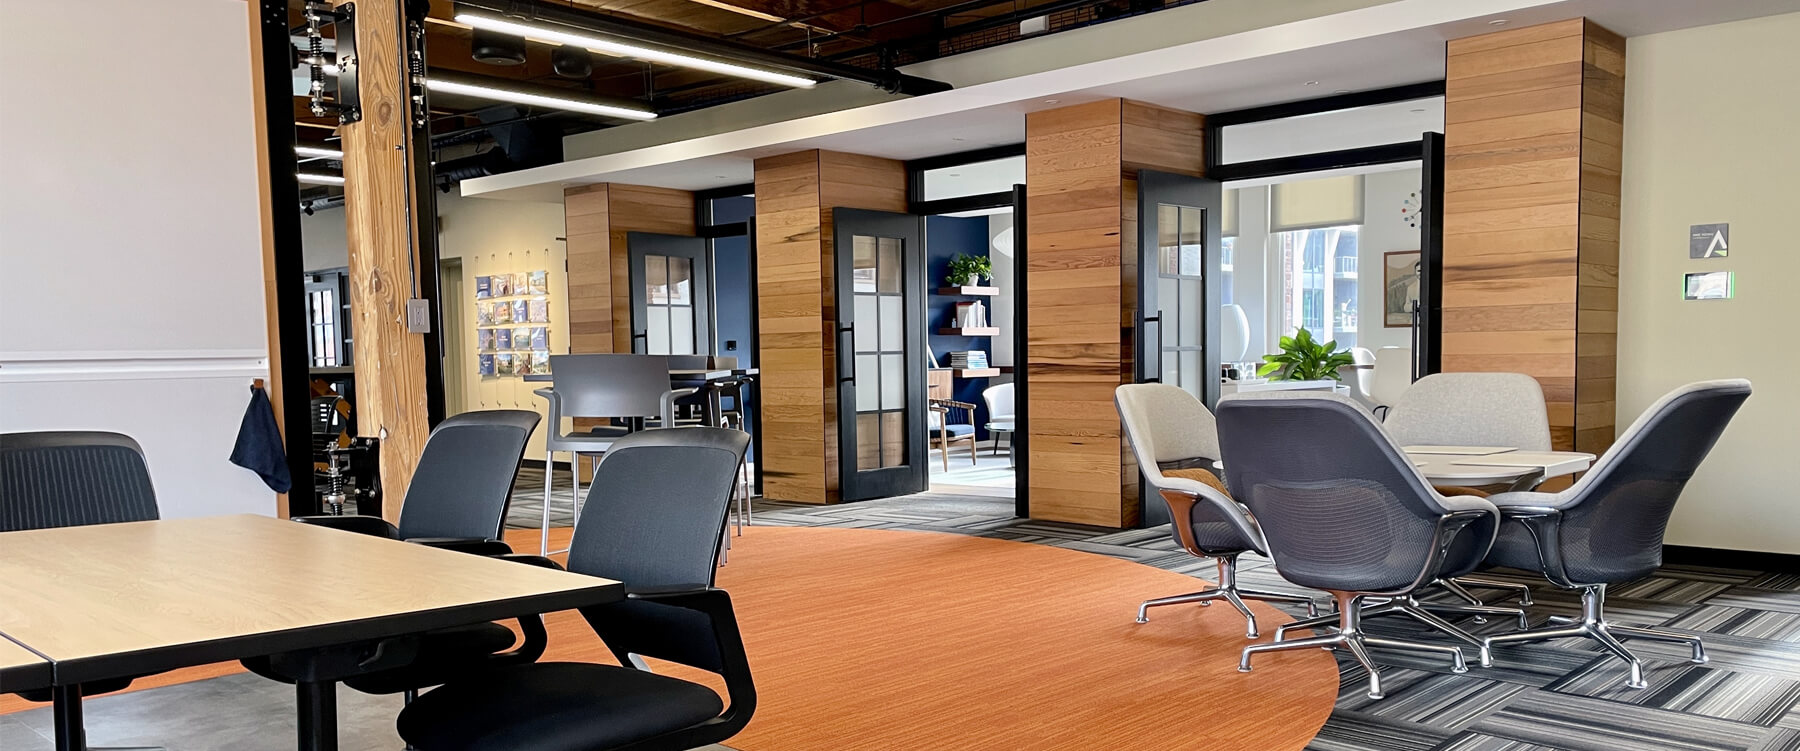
(880, 293)
(1177, 335)
(671, 291)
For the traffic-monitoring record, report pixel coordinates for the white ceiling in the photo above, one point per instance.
(1385, 45)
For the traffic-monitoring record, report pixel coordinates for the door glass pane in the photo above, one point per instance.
(862, 266)
(681, 281)
(868, 384)
(865, 323)
(1192, 227)
(868, 441)
(1168, 302)
(1168, 225)
(1190, 371)
(656, 279)
(1189, 327)
(681, 330)
(1170, 368)
(893, 439)
(657, 328)
(893, 323)
(893, 382)
(890, 264)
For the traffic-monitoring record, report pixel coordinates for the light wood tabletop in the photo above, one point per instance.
(20, 669)
(1499, 467)
(120, 599)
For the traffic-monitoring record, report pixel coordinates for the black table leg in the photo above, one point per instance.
(317, 702)
(71, 734)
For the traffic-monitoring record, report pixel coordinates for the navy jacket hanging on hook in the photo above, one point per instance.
(259, 448)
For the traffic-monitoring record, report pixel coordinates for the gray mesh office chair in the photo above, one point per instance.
(1608, 527)
(598, 386)
(1475, 409)
(1344, 510)
(72, 478)
(657, 527)
(1173, 435)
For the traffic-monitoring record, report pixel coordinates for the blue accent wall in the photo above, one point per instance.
(945, 237)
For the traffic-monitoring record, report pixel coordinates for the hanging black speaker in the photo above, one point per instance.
(570, 61)
(495, 48)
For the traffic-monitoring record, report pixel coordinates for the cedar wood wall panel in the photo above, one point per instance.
(796, 297)
(1081, 265)
(1531, 215)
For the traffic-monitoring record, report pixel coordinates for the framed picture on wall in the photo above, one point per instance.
(1399, 286)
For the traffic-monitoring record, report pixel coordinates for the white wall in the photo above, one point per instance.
(1000, 250)
(1383, 231)
(131, 247)
(1709, 137)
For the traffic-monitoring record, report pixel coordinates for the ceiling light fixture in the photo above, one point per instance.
(491, 22)
(317, 152)
(1051, 101)
(1497, 22)
(538, 96)
(314, 178)
(1312, 83)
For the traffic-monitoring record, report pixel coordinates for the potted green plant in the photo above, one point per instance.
(965, 269)
(1302, 359)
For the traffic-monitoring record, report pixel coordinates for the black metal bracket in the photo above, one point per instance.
(348, 99)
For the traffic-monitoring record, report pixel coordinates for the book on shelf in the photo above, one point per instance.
(969, 360)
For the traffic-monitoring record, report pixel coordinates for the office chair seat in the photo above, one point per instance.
(571, 706)
(442, 654)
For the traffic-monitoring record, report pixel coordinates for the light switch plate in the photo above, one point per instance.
(418, 316)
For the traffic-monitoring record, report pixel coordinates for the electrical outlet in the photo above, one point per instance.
(418, 316)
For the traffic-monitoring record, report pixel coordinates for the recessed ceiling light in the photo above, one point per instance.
(1497, 22)
(956, 174)
(1051, 101)
(1341, 91)
(1312, 83)
(719, 177)
(1419, 109)
(957, 138)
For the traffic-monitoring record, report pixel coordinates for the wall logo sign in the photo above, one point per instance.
(1709, 241)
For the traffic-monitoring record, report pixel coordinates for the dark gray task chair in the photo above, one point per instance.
(614, 386)
(1608, 527)
(1174, 438)
(657, 527)
(73, 478)
(457, 500)
(1343, 510)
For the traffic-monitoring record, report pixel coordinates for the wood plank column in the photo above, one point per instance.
(596, 220)
(1081, 165)
(797, 310)
(384, 258)
(1533, 145)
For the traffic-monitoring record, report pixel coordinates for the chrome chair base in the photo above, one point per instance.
(1350, 637)
(1229, 591)
(1474, 605)
(1593, 625)
(1407, 606)
(1460, 586)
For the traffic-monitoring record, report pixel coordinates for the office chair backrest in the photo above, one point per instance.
(610, 385)
(1392, 375)
(1471, 409)
(1167, 426)
(657, 509)
(1613, 526)
(1340, 505)
(71, 478)
(690, 362)
(999, 401)
(464, 480)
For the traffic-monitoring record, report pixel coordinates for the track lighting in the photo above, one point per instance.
(317, 152)
(488, 21)
(448, 82)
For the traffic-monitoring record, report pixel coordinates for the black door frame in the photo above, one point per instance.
(698, 252)
(912, 477)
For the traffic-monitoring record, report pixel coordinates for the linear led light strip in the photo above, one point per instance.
(610, 47)
(318, 179)
(540, 100)
(318, 153)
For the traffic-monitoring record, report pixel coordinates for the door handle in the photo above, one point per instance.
(845, 356)
(1151, 344)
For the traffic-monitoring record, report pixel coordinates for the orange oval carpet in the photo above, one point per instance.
(878, 639)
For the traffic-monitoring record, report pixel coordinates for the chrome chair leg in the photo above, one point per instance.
(1229, 591)
(1461, 582)
(549, 474)
(1204, 597)
(1593, 625)
(1475, 606)
(1350, 636)
(1411, 607)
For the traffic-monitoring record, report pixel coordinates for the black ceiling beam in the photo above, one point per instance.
(637, 31)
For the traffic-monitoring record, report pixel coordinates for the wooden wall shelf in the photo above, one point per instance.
(983, 331)
(971, 291)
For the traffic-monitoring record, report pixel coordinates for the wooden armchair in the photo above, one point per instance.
(951, 421)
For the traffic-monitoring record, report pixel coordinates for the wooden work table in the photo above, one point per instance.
(20, 669)
(117, 600)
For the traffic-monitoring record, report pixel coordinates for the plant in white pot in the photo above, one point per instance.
(1302, 359)
(966, 269)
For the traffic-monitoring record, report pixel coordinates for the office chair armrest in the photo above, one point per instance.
(531, 560)
(1182, 495)
(734, 664)
(1524, 500)
(472, 545)
(374, 526)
